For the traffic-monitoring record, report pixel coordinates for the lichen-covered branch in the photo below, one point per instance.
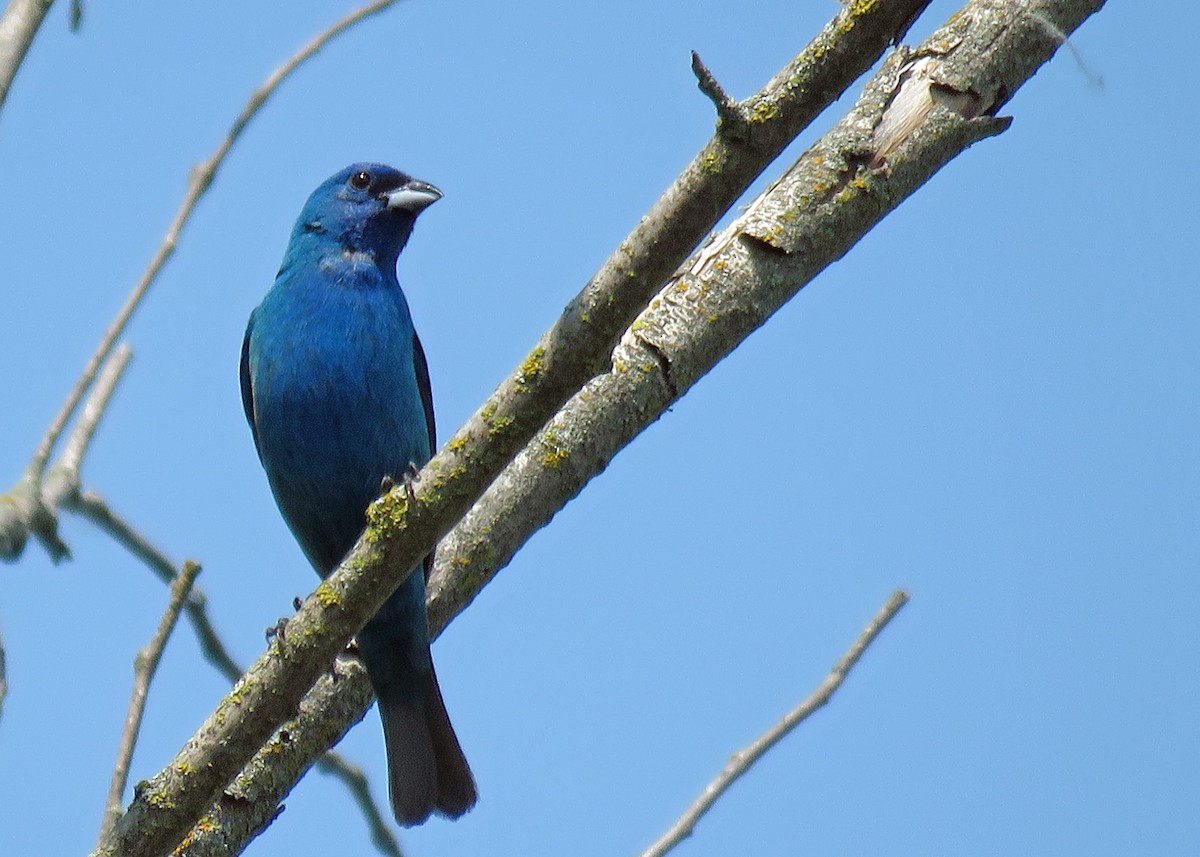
(400, 530)
(808, 219)
(251, 802)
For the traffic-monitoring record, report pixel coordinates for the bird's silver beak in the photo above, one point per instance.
(413, 197)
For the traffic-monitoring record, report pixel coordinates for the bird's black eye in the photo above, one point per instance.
(361, 180)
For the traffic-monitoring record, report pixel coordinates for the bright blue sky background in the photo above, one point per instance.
(992, 401)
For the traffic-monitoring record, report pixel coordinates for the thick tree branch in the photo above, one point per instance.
(18, 25)
(743, 760)
(90, 506)
(807, 220)
(566, 357)
(245, 808)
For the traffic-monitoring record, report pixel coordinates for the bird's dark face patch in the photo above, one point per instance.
(358, 208)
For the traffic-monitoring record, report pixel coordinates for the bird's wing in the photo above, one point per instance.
(426, 390)
(423, 385)
(247, 391)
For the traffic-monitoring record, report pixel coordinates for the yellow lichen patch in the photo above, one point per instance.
(203, 826)
(458, 443)
(499, 424)
(553, 458)
(855, 9)
(764, 111)
(495, 424)
(386, 515)
(326, 594)
(157, 799)
(531, 367)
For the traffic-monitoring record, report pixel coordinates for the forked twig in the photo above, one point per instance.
(200, 178)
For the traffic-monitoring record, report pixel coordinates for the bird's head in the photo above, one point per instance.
(366, 208)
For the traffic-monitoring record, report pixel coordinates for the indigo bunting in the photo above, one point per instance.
(336, 390)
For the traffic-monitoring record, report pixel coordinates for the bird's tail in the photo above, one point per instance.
(427, 771)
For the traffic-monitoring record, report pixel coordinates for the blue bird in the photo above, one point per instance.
(336, 390)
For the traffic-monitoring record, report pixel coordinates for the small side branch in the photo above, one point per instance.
(92, 507)
(356, 783)
(31, 507)
(200, 178)
(744, 759)
(734, 118)
(145, 665)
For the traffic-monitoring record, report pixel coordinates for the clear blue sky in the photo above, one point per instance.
(992, 402)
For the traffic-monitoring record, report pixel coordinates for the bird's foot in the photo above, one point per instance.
(350, 651)
(412, 475)
(278, 631)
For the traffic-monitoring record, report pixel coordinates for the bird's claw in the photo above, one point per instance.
(278, 631)
(412, 475)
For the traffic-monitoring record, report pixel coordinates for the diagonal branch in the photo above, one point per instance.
(807, 220)
(803, 223)
(575, 348)
(743, 760)
(92, 507)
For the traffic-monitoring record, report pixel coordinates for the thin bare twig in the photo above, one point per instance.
(145, 665)
(63, 482)
(200, 178)
(744, 759)
(352, 776)
(734, 117)
(34, 503)
(92, 507)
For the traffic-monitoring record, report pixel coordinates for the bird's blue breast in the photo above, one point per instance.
(336, 398)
